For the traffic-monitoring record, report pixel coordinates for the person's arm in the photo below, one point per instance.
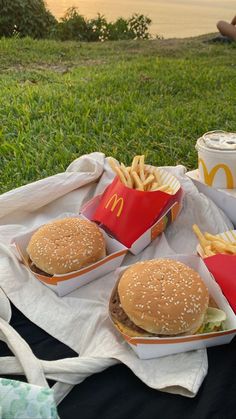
(233, 22)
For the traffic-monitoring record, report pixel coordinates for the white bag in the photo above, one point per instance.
(80, 320)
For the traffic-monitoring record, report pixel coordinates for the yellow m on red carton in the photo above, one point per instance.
(114, 202)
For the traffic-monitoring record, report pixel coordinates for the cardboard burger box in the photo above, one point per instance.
(155, 347)
(66, 283)
(129, 220)
(223, 268)
(134, 217)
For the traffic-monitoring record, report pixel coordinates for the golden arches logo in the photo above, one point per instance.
(114, 201)
(209, 176)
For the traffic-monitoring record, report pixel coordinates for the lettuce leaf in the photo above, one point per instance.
(213, 321)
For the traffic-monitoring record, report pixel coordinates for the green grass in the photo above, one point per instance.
(61, 100)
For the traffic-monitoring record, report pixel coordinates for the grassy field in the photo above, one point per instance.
(61, 100)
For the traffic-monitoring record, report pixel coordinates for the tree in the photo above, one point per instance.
(25, 18)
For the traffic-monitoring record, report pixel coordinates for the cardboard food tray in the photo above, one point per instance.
(225, 199)
(155, 347)
(65, 283)
(133, 217)
(223, 268)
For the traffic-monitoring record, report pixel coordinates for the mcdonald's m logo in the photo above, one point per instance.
(114, 202)
(209, 176)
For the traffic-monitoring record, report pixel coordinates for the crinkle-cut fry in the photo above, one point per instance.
(127, 175)
(149, 180)
(135, 163)
(137, 181)
(141, 168)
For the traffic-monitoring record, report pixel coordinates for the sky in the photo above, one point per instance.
(170, 18)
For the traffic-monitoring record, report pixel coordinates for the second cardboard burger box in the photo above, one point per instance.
(155, 347)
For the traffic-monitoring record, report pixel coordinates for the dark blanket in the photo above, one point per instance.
(117, 393)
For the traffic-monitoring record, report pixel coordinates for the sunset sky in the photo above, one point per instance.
(170, 18)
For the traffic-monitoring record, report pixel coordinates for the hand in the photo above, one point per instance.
(233, 22)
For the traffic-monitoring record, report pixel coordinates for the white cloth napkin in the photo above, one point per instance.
(80, 319)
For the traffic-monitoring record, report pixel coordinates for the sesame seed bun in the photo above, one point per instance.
(162, 297)
(66, 245)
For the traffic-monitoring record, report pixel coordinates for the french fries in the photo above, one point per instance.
(213, 244)
(140, 176)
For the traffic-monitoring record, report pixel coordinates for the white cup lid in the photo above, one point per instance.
(219, 140)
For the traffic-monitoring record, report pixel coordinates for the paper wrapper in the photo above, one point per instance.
(223, 268)
(127, 213)
(155, 347)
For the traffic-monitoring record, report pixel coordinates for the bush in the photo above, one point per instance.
(31, 18)
(74, 26)
(25, 18)
(120, 30)
(98, 29)
(138, 25)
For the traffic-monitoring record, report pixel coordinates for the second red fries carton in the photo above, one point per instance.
(223, 268)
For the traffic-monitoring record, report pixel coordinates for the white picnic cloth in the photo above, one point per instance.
(80, 319)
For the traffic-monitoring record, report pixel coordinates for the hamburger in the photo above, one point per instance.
(65, 245)
(163, 297)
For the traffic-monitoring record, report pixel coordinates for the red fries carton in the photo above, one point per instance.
(128, 213)
(223, 268)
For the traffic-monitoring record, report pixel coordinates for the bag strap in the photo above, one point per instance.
(31, 366)
(67, 372)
